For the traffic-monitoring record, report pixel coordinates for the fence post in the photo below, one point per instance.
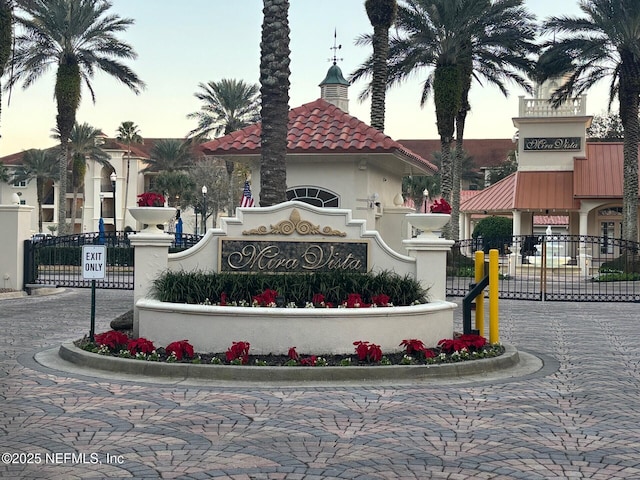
(479, 275)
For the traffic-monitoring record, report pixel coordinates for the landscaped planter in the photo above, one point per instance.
(313, 331)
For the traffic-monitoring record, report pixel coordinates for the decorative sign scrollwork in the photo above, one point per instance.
(295, 224)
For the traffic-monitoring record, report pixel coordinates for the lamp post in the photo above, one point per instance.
(204, 209)
(425, 194)
(113, 177)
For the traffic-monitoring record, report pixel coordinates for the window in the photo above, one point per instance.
(20, 184)
(315, 196)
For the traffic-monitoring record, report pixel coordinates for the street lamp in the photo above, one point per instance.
(204, 209)
(113, 177)
(425, 194)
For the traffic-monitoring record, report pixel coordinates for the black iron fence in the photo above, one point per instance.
(57, 261)
(553, 267)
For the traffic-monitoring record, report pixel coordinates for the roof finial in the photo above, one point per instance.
(335, 48)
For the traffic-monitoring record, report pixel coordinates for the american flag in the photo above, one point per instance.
(246, 201)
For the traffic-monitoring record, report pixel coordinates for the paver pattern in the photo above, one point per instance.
(579, 417)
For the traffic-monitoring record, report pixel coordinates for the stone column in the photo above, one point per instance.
(430, 253)
(16, 228)
(584, 259)
(151, 259)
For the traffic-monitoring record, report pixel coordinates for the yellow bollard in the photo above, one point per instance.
(494, 264)
(479, 275)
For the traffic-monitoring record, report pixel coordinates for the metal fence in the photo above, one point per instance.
(56, 261)
(553, 267)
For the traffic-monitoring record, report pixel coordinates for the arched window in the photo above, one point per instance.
(315, 196)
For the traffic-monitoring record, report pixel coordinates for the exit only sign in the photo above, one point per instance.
(94, 260)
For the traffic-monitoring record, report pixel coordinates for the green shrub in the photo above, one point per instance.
(627, 262)
(298, 288)
(496, 232)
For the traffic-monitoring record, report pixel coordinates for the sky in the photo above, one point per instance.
(180, 45)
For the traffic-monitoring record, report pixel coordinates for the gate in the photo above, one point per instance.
(553, 267)
(56, 261)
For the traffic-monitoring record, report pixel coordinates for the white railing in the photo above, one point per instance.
(540, 107)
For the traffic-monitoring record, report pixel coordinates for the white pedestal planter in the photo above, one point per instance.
(429, 223)
(152, 217)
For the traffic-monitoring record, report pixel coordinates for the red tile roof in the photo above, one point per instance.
(318, 127)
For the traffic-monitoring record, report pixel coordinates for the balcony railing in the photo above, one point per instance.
(540, 107)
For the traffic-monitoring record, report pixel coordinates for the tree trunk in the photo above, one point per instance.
(231, 205)
(274, 81)
(629, 91)
(379, 80)
(126, 192)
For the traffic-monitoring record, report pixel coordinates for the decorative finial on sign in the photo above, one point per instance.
(335, 48)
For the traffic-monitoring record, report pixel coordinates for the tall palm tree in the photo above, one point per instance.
(227, 106)
(129, 133)
(604, 43)
(6, 37)
(382, 14)
(440, 36)
(274, 90)
(169, 155)
(76, 37)
(40, 165)
(83, 145)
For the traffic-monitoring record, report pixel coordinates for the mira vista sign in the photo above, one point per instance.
(553, 144)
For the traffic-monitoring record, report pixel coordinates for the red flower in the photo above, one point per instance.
(223, 299)
(293, 355)
(239, 350)
(140, 345)
(181, 349)
(473, 341)
(150, 199)
(354, 300)
(309, 361)
(318, 299)
(381, 300)
(113, 339)
(266, 298)
(441, 206)
(368, 352)
(413, 346)
(450, 345)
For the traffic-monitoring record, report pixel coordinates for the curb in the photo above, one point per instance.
(236, 373)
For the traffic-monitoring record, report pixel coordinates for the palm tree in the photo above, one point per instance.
(274, 90)
(128, 133)
(443, 36)
(604, 44)
(40, 165)
(6, 36)
(169, 155)
(228, 105)
(77, 37)
(83, 145)
(382, 14)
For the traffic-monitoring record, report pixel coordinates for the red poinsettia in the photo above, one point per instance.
(292, 354)
(266, 298)
(113, 339)
(354, 300)
(369, 352)
(412, 346)
(181, 349)
(380, 300)
(309, 361)
(441, 206)
(239, 350)
(151, 199)
(140, 345)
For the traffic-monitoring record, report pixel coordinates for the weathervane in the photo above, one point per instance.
(335, 48)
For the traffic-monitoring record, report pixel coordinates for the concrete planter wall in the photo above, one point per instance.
(311, 331)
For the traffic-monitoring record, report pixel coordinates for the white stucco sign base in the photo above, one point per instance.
(213, 329)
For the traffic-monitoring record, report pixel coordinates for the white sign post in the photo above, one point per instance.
(94, 261)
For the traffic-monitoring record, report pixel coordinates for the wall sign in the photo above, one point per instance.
(293, 256)
(554, 144)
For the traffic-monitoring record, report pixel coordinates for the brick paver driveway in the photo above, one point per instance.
(579, 417)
